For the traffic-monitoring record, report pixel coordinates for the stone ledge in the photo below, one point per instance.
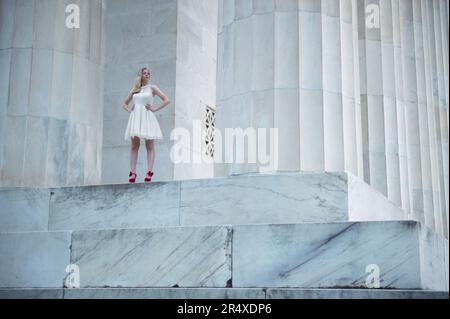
(290, 197)
(218, 293)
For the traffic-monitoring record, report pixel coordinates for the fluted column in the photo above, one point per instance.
(286, 95)
(332, 86)
(349, 61)
(390, 103)
(51, 105)
(263, 62)
(411, 109)
(400, 107)
(360, 138)
(371, 100)
(437, 109)
(442, 102)
(422, 115)
(311, 109)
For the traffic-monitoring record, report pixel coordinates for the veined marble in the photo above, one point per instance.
(24, 209)
(370, 99)
(34, 259)
(336, 255)
(434, 260)
(294, 197)
(326, 255)
(159, 257)
(304, 197)
(115, 206)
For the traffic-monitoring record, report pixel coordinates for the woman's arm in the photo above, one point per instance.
(163, 97)
(126, 101)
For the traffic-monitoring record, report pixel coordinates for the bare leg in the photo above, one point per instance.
(135, 143)
(150, 145)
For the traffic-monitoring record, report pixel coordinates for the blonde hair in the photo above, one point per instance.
(138, 82)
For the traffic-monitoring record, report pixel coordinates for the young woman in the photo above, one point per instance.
(142, 123)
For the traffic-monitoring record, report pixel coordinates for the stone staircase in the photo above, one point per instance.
(284, 235)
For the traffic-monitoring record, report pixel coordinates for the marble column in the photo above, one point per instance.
(349, 103)
(50, 106)
(372, 100)
(311, 126)
(422, 115)
(332, 86)
(400, 107)
(389, 103)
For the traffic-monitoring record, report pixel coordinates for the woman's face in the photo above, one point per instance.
(145, 75)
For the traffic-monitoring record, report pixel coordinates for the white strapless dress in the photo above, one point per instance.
(142, 122)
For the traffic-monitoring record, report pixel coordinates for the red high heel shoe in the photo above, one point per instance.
(132, 177)
(148, 177)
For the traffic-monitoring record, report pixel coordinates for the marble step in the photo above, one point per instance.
(406, 255)
(248, 199)
(217, 293)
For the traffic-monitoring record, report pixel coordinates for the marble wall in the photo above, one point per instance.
(344, 96)
(50, 107)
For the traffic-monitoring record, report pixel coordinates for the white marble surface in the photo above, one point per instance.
(115, 206)
(296, 197)
(434, 263)
(159, 257)
(285, 197)
(329, 255)
(366, 204)
(54, 74)
(24, 209)
(326, 255)
(34, 259)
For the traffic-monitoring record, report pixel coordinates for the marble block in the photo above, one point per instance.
(336, 255)
(264, 199)
(158, 257)
(34, 260)
(285, 197)
(114, 206)
(367, 204)
(297, 197)
(24, 209)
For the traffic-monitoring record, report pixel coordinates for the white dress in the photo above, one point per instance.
(142, 122)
